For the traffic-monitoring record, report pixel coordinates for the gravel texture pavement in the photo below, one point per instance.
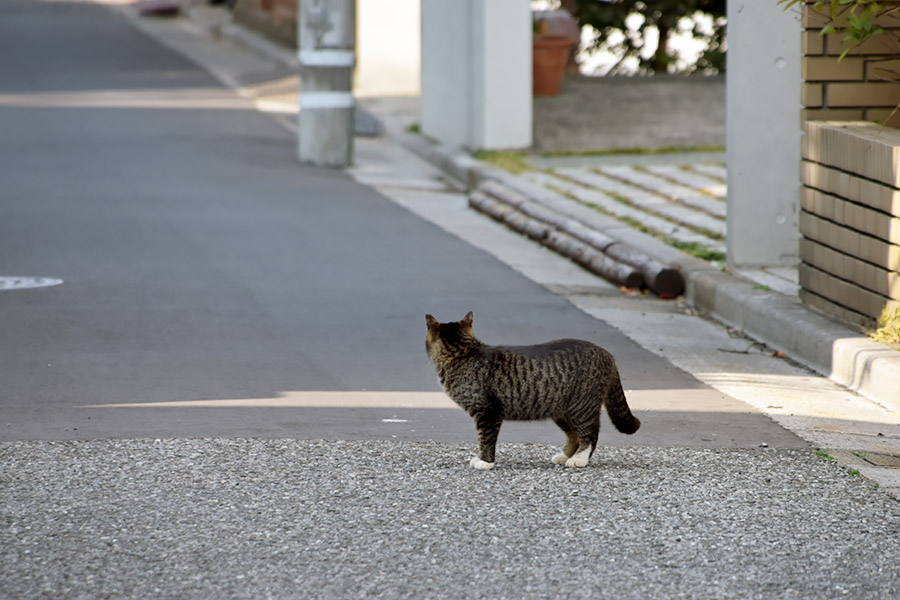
(243, 518)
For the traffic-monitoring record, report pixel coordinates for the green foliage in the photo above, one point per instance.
(696, 250)
(826, 455)
(608, 18)
(858, 20)
(855, 19)
(634, 150)
(514, 161)
(888, 331)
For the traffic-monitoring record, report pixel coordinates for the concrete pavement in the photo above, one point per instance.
(714, 500)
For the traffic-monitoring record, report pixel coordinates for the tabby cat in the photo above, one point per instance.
(564, 380)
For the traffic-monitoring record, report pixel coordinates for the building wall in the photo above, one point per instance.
(275, 19)
(388, 40)
(388, 48)
(858, 87)
(850, 202)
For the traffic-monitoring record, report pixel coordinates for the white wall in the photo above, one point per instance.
(476, 72)
(388, 48)
(763, 134)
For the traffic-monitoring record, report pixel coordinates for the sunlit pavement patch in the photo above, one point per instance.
(24, 283)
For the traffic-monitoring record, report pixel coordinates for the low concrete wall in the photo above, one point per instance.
(602, 113)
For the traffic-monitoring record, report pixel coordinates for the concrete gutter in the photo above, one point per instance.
(813, 339)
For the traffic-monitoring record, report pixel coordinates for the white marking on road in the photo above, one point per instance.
(186, 98)
(23, 283)
(298, 399)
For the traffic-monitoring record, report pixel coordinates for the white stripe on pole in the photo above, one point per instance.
(316, 100)
(326, 58)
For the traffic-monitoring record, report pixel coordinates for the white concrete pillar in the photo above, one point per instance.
(476, 73)
(763, 134)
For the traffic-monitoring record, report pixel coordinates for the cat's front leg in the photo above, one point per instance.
(480, 464)
(488, 426)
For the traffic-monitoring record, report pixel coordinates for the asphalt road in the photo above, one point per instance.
(217, 295)
(201, 263)
(380, 519)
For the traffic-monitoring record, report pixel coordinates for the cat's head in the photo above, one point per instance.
(444, 337)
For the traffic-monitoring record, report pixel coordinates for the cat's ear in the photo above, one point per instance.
(431, 322)
(467, 320)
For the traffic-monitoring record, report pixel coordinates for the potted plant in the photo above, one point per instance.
(550, 54)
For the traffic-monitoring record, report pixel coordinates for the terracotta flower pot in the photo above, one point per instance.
(550, 55)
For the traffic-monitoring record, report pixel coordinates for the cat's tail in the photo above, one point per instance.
(618, 411)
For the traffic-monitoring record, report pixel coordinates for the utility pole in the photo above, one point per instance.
(326, 41)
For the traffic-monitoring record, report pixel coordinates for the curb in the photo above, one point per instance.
(813, 339)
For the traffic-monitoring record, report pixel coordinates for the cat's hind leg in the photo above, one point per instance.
(587, 433)
(571, 442)
(581, 457)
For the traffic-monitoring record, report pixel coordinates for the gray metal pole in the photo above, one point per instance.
(326, 42)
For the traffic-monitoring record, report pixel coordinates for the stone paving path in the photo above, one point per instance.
(684, 204)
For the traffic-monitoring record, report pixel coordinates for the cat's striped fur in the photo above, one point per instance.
(564, 380)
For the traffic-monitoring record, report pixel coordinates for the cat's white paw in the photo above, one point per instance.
(559, 459)
(580, 459)
(480, 464)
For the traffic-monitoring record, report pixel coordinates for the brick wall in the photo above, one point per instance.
(850, 219)
(859, 87)
(850, 201)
